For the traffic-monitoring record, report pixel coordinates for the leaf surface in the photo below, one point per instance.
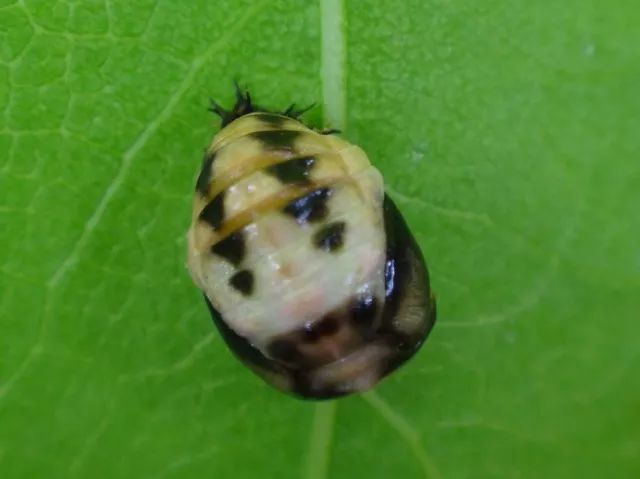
(506, 131)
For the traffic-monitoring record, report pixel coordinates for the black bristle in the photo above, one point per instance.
(244, 105)
(294, 113)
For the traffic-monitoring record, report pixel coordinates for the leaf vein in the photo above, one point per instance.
(321, 438)
(332, 74)
(405, 431)
(139, 143)
(114, 186)
(482, 218)
(333, 53)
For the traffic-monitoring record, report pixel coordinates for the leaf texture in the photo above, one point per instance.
(507, 133)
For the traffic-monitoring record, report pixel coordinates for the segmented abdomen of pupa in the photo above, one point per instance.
(288, 235)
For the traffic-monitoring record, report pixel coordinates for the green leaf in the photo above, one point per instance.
(506, 131)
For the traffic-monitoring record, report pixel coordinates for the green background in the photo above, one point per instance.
(508, 132)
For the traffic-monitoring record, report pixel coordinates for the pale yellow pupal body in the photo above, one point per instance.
(295, 283)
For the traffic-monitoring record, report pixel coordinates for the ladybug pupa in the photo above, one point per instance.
(308, 268)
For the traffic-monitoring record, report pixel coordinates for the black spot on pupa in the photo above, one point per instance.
(283, 350)
(277, 139)
(327, 326)
(243, 281)
(213, 213)
(310, 334)
(363, 310)
(330, 237)
(276, 121)
(202, 184)
(232, 248)
(296, 170)
(310, 207)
